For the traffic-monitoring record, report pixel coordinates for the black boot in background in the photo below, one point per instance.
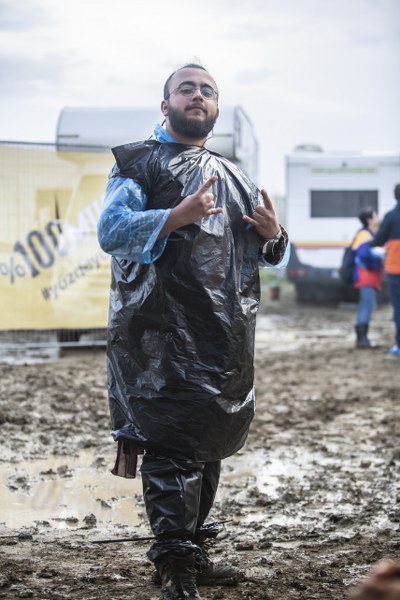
(362, 340)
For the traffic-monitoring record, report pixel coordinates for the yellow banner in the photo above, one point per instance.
(53, 274)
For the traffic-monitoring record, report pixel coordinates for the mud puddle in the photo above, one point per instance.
(66, 492)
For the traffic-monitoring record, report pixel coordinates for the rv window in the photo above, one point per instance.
(342, 203)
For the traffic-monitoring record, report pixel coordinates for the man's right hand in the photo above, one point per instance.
(192, 208)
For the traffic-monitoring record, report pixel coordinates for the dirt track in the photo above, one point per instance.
(313, 500)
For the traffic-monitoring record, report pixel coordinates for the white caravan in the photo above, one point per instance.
(325, 191)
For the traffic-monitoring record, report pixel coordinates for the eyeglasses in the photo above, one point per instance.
(189, 89)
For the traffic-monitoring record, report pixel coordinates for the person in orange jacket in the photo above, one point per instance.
(367, 274)
(389, 234)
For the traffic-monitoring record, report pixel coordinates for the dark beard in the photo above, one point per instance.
(190, 128)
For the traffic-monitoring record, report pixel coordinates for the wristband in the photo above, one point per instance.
(273, 239)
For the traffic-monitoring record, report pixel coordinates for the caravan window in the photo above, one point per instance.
(342, 203)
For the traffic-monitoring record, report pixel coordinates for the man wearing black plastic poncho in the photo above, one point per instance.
(187, 231)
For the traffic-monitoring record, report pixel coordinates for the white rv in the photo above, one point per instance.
(325, 191)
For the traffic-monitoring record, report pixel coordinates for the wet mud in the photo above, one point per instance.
(310, 503)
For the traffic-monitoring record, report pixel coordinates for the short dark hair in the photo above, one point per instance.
(187, 66)
(366, 214)
(397, 192)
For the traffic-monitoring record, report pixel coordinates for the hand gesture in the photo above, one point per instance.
(264, 218)
(200, 204)
(192, 208)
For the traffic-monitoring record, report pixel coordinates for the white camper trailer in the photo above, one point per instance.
(53, 275)
(325, 193)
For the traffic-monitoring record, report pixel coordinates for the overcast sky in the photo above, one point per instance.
(320, 71)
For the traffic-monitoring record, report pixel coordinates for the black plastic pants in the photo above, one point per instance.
(178, 495)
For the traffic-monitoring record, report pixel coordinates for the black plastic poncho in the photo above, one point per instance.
(181, 330)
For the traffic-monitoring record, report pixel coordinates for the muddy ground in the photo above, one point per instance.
(312, 501)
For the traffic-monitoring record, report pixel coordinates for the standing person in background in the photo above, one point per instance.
(367, 274)
(187, 231)
(389, 234)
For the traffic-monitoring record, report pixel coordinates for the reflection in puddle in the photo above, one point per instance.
(268, 473)
(64, 491)
(276, 334)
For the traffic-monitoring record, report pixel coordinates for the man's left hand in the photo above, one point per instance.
(264, 219)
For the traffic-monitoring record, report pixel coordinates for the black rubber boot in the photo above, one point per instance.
(170, 583)
(178, 577)
(362, 340)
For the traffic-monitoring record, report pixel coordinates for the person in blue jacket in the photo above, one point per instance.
(187, 231)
